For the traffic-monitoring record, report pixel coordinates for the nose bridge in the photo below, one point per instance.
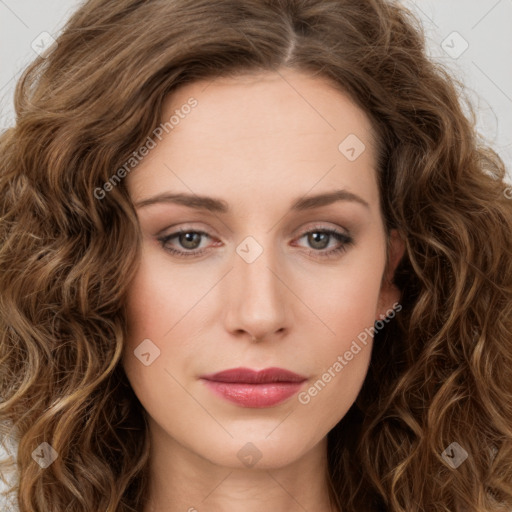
(256, 301)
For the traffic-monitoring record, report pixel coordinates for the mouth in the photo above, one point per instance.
(256, 389)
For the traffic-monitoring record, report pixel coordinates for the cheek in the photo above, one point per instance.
(345, 302)
(164, 309)
(147, 302)
(152, 309)
(335, 388)
(346, 305)
(342, 353)
(158, 297)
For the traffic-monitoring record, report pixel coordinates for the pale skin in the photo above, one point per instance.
(258, 142)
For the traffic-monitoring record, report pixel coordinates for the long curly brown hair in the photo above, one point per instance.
(441, 371)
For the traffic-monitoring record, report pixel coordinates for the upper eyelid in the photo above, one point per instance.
(320, 225)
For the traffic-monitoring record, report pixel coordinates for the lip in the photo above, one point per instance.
(257, 389)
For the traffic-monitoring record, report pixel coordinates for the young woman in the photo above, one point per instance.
(252, 254)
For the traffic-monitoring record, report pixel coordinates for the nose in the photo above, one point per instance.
(256, 300)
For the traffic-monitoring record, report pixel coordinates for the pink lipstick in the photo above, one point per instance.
(257, 389)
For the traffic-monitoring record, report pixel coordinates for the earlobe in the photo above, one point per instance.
(389, 292)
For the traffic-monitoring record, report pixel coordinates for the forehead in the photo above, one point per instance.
(266, 104)
(263, 130)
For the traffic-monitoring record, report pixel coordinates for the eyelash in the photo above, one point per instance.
(346, 240)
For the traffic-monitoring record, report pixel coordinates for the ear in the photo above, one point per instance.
(389, 293)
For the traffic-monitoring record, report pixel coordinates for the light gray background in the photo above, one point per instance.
(483, 26)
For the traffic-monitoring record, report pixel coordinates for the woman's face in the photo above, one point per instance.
(290, 249)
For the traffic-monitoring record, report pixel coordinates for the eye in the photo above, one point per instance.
(188, 239)
(319, 238)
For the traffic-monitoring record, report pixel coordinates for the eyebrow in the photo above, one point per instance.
(220, 206)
